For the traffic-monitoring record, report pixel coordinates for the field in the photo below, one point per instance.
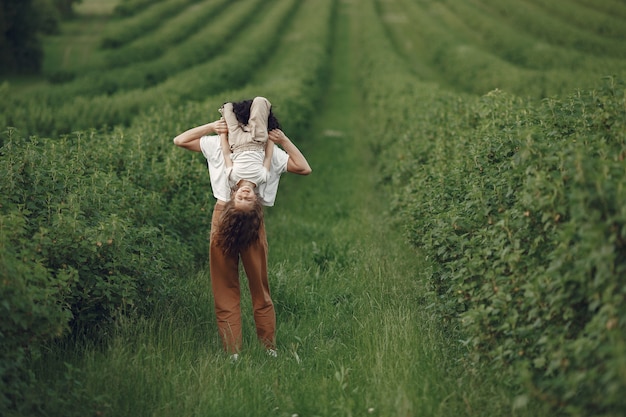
(460, 248)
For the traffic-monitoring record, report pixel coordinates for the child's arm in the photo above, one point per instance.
(259, 113)
(226, 150)
(269, 151)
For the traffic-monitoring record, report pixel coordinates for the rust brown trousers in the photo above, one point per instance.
(226, 289)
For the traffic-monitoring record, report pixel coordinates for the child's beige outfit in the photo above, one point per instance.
(247, 142)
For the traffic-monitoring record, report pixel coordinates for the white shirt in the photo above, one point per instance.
(248, 165)
(212, 151)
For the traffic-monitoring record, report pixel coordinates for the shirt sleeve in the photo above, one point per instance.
(212, 151)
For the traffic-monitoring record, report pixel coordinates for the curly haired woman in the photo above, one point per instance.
(238, 231)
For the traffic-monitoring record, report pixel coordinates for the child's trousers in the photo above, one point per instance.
(226, 289)
(251, 136)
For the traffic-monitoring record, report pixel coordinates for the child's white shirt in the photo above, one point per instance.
(247, 165)
(212, 151)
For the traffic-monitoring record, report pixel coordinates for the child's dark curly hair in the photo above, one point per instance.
(242, 112)
(238, 228)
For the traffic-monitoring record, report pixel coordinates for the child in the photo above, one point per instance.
(247, 157)
(247, 150)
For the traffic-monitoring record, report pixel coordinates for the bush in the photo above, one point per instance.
(76, 249)
(126, 30)
(32, 307)
(522, 209)
(84, 220)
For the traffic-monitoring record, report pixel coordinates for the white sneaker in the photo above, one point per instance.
(272, 353)
(234, 357)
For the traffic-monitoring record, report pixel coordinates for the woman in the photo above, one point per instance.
(252, 248)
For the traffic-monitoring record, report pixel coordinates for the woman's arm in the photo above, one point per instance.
(297, 163)
(190, 139)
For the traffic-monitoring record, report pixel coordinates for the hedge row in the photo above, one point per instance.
(126, 30)
(521, 208)
(614, 8)
(469, 46)
(77, 249)
(545, 26)
(131, 7)
(173, 31)
(521, 49)
(228, 69)
(202, 46)
(586, 18)
(529, 235)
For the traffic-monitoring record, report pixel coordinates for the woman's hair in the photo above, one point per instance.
(239, 228)
(242, 112)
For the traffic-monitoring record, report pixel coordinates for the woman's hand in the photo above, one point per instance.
(297, 163)
(190, 139)
(277, 136)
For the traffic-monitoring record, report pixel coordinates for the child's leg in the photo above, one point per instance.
(229, 117)
(236, 136)
(226, 150)
(259, 112)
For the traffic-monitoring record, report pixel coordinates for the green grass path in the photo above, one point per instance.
(394, 359)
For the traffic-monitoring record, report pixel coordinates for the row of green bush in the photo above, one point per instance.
(520, 206)
(97, 225)
(130, 7)
(554, 30)
(528, 233)
(123, 31)
(189, 21)
(231, 67)
(586, 18)
(612, 7)
(521, 49)
(22, 27)
(200, 47)
(473, 48)
(78, 247)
